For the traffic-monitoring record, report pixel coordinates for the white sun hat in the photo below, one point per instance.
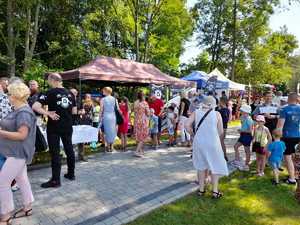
(246, 109)
(210, 102)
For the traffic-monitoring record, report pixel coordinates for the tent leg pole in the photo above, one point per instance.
(80, 91)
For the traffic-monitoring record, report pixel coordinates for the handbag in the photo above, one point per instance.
(256, 146)
(202, 119)
(119, 116)
(40, 142)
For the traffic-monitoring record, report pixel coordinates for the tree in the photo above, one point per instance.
(201, 62)
(19, 31)
(228, 30)
(270, 60)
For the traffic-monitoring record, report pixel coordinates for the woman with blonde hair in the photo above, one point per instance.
(207, 149)
(17, 145)
(108, 105)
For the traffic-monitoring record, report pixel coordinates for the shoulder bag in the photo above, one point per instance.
(202, 119)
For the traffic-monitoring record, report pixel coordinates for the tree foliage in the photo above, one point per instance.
(247, 46)
(68, 33)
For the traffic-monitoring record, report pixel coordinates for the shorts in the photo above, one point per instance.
(245, 139)
(290, 144)
(275, 164)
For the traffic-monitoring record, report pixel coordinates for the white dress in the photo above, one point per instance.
(207, 149)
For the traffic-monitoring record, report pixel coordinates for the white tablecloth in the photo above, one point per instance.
(82, 134)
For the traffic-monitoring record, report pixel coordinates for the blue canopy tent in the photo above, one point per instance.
(201, 78)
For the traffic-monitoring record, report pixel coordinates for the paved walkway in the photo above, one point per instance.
(114, 188)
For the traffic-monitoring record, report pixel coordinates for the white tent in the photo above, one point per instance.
(232, 85)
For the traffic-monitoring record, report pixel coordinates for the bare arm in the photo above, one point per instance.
(101, 110)
(269, 137)
(182, 108)
(38, 107)
(74, 110)
(280, 124)
(19, 135)
(189, 123)
(220, 124)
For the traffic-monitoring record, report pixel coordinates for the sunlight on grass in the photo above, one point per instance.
(248, 200)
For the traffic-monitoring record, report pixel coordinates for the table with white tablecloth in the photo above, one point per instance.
(81, 134)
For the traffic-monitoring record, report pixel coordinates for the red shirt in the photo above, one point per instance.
(157, 105)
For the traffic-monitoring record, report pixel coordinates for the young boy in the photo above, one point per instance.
(276, 150)
(171, 122)
(245, 139)
(153, 125)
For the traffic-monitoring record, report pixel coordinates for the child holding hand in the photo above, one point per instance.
(261, 138)
(275, 152)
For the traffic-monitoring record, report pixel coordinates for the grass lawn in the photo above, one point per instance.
(248, 200)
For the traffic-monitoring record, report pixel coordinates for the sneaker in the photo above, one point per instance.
(69, 177)
(274, 182)
(51, 184)
(291, 182)
(245, 168)
(236, 163)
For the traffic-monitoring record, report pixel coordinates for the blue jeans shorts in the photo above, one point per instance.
(245, 139)
(275, 164)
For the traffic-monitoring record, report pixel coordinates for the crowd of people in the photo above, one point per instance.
(271, 127)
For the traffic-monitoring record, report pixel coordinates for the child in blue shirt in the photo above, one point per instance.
(276, 150)
(245, 139)
(153, 125)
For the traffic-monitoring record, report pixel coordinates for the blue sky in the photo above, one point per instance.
(287, 15)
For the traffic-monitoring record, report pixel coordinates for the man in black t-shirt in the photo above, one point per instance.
(61, 105)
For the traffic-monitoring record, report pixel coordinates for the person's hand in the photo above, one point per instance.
(53, 115)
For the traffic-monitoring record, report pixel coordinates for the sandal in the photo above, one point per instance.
(21, 213)
(200, 193)
(217, 195)
(7, 221)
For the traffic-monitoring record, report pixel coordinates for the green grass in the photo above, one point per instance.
(248, 200)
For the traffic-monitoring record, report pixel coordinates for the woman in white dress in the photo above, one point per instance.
(207, 150)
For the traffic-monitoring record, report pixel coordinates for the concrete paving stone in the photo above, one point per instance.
(122, 215)
(112, 221)
(116, 185)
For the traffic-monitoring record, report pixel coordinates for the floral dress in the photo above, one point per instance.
(141, 120)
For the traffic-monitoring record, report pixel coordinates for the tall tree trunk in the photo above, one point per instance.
(136, 19)
(27, 38)
(233, 50)
(11, 42)
(29, 47)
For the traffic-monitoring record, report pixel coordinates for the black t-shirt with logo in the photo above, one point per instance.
(61, 101)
